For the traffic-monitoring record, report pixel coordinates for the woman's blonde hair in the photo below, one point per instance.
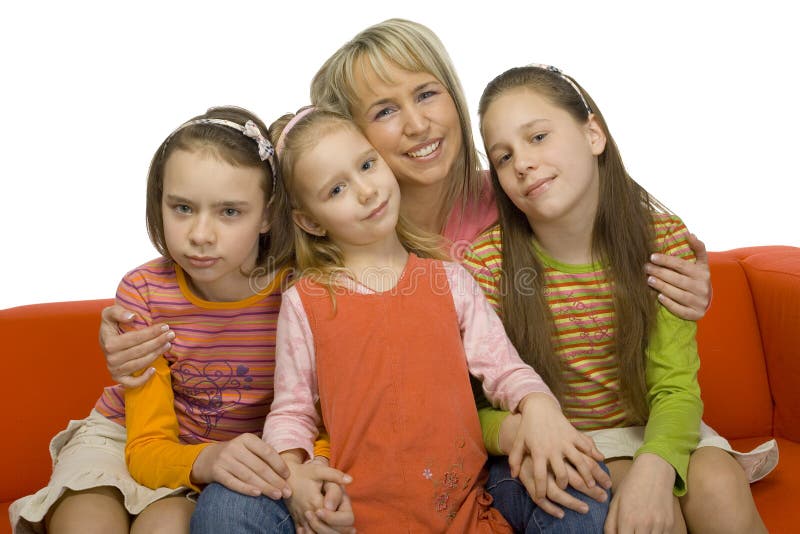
(415, 48)
(622, 240)
(315, 256)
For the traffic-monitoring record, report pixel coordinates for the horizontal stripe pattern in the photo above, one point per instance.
(581, 302)
(222, 360)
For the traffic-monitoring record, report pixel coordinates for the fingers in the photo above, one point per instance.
(245, 464)
(515, 456)
(539, 479)
(329, 474)
(699, 249)
(596, 492)
(275, 465)
(134, 351)
(341, 520)
(686, 296)
(333, 495)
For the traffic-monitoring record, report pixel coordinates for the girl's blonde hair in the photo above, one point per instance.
(622, 240)
(415, 48)
(317, 257)
(226, 143)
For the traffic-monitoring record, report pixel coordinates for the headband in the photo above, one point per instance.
(558, 72)
(265, 149)
(280, 145)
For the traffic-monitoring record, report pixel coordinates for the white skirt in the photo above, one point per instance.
(90, 453)
(624, 442)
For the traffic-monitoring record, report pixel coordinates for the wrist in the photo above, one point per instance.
(535, 398)
(508, 432)
(657, 468)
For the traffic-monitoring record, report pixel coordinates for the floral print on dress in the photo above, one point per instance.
(452, 481)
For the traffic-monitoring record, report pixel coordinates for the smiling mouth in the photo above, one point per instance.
(425, 150)
(539, 186)
(377, 210)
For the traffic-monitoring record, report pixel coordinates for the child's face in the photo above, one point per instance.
(412, 122)
(545, 160)
(346, 191)
(213, 216)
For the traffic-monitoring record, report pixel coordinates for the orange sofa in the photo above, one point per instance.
(750, 375)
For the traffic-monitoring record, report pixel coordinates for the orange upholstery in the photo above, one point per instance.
(750, 375)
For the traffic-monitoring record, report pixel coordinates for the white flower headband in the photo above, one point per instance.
(265, 149)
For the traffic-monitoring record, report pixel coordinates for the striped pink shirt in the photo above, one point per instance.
(222, 361)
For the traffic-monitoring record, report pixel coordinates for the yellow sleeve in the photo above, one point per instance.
(322, 447)
(153, 453)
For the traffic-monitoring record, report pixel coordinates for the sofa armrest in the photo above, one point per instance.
(773, 274)
(54, 372)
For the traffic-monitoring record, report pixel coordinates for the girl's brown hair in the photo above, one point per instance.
(415, 48)
(227, 144)
(622, 240)
(317, 256)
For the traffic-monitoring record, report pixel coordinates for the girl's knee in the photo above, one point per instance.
(168, 516)
(715, 474)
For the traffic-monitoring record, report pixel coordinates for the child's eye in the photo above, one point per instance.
(502, 159)
(336, 190)
(538, 138)
(231, 212)
(182, 208)
(368, 164)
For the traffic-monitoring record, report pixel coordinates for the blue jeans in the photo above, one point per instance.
(220, 510)
(512, 500)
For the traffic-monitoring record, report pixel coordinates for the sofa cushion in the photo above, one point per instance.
(731, 356)
(774, 279)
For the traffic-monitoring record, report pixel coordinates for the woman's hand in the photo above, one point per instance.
(643, 501)
(132, 351)
(553, 443)
(684, 287)
(245, 464)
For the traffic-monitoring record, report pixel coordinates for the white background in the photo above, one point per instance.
(703, 99)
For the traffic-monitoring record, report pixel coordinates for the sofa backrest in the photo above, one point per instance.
(774, 277)
(733, 374)
(53, 371)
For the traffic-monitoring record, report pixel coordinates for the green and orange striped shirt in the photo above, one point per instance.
(581, 302)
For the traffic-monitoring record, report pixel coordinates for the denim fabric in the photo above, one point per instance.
(512, 500)
(220, 510)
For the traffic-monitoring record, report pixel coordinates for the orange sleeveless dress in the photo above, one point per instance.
(396, 400)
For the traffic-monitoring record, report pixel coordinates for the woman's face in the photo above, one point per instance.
(412, 122)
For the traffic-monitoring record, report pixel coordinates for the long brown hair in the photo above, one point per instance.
(415, 48)
(318, 256)
(622, 240)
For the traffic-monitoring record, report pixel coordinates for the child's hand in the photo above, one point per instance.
(557, 497)
(308, 499)
(550, 439)
(245, 464)
(643, 501)
(336, 516)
